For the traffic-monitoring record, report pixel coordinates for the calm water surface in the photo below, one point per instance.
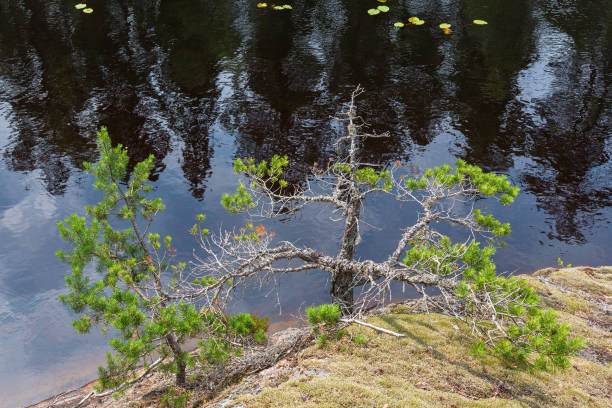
(199, 82)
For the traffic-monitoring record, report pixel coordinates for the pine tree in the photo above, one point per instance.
(502, 311)
(136, 289)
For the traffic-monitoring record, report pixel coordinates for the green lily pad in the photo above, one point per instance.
(80, 6)
(384, 9)
(399, 24)
(373, 12)
(288, 7)
(445, 25)
(278, 8)
(88, 10)
(480, 22)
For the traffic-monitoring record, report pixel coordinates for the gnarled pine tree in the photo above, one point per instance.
(502, 311)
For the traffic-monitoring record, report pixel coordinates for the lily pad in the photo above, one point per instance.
(287, 7)
(278, 8)
(382, 1)
(384, 9)
(260, 5)
(419, 22)
(399, 24)
(447, 31)
(445, 25)
(413, 19)
(80, 6)
(88, 10)
(373, 12)
(480, 22)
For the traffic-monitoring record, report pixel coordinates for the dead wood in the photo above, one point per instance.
(284, 343)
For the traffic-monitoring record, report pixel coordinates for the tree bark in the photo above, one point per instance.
(342, 292)
(181, 379)
(342, 281)
(179, 358)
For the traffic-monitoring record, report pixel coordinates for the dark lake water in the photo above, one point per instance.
(199, 82)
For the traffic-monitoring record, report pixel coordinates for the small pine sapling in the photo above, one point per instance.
(136, 289)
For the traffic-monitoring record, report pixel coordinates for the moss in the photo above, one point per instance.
(596, 282)
(433, 367)
(560, 300)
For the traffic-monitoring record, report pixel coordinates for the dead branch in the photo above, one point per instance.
(290, 341)
(120, 387)
(371, 326)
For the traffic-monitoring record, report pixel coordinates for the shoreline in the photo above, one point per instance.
(74, 395)
(569, 290)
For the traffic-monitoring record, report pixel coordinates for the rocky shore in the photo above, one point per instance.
(431, 367)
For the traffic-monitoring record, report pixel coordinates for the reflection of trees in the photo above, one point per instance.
(65, 86)
(577, 114)
(196, 36)
(398, 69)
(524, 95)
(62, 79)
(276, 111)
(415, 80)
(301, 65)
(154, 69)
(485, 75)
(35, 74)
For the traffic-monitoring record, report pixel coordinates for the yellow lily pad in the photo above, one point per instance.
(413, 19)
(88, 10)
(445, 25)
(419, 22)
(261, 5)
(398, 24)
(480, 22)
(382, 1)
(80, 6)
(373, 12)
(384, 9)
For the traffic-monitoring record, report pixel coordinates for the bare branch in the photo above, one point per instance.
(122, 386)
(371, 326)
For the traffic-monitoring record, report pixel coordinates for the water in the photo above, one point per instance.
(199, 82)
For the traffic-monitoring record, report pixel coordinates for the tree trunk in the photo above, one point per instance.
(348, 191)
(342, 292)
(180, 374)
(179, 359)
(342, 282)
